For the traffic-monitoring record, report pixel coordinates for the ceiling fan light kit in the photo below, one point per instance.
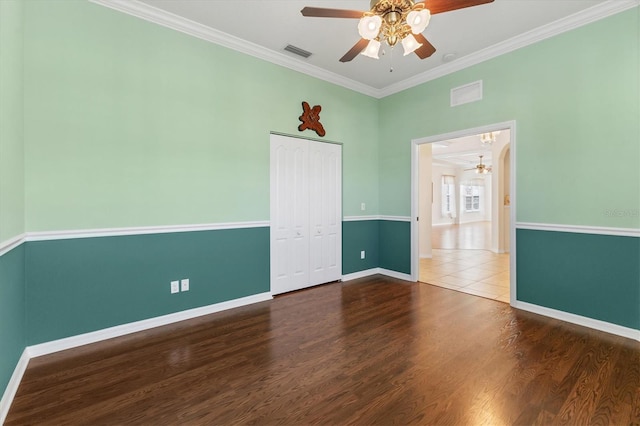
(489, 138)
(481, 169)
(369, 26)
(392, 21)
(372, 49)
(410, 44)
(418, 20)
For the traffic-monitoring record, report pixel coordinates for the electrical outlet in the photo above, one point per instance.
(362, 254)
(184, 284)
(175, 286)
(363, 206)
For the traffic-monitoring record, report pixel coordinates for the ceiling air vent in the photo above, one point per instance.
(297, 51)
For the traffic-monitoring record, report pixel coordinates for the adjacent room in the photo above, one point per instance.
(319, 212)
(470, 196)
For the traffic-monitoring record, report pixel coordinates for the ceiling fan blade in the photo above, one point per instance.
(353, 52)
(320, 12)
(426, 49)
(439, 6)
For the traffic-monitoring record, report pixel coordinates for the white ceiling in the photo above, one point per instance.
(467, 33)
(461, 152)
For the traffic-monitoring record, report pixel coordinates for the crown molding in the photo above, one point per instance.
(186, 26)
(587, 16)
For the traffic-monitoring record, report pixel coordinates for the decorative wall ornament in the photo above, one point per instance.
(311, 119)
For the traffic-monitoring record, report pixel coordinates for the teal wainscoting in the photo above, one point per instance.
(12, 312)
(76, 286)
(596, 276)
(395, 245)
(357, 236)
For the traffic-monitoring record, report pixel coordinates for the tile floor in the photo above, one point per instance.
(478, 272)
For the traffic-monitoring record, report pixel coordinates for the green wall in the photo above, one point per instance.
(81, 285)
(128, 123)
(575, 100)
(12, 279)
(357, 236)
(131, 124)
(11, 120)
(12, 313)
(395, 246)
(109, 121)
(596, 276)
(77, 286)
(386, 244)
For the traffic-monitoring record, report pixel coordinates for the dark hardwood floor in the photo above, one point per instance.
(370, 351)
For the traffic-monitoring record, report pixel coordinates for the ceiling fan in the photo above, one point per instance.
(393, 21)
(480, 168)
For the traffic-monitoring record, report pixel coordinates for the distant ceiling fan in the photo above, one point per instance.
(481, 169)
(393, 21)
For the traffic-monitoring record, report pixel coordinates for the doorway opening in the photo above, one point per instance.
(463, 194)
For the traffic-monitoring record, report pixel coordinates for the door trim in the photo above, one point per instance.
(415, 145)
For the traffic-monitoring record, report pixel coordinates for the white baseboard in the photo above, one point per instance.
(607, 327)
(121, 330)
(361, 274)
(394, 274)
(12, 386)
(374, 271)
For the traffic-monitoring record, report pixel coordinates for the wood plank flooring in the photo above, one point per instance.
(371, 351)
(465, 236)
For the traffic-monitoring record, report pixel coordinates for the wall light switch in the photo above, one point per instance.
(184, 284)
(363, 206)
(175, 286)
(362, 254)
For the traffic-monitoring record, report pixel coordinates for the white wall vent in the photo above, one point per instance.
(468, 93)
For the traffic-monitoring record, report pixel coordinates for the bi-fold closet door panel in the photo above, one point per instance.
(289, 214)
(306, 211)
(325, 175)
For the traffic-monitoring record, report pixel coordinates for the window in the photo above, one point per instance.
(472, 194)
(448, 196)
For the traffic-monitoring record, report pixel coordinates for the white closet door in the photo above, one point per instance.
(306, 213)
(325, 182)
(289, 214)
